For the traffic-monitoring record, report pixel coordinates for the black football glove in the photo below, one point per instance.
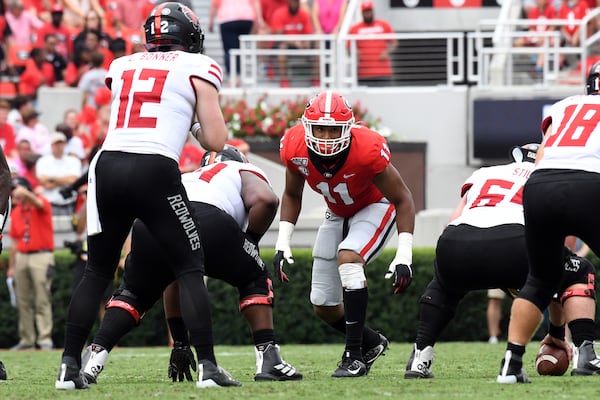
(402, 275)
(278, 261)
(181, 360)
(66, 192)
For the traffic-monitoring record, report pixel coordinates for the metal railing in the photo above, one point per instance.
(336, 58)
(485, 57)
(494, 57)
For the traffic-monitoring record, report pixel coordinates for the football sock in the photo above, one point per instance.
(263, 337)
(370, 336)
(582, 329)
(355, 308)
(195, 306)
(116, 323)
(432, 321)
(178, 330)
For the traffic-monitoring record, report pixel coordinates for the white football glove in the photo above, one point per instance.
(400, 268)
(283, 250)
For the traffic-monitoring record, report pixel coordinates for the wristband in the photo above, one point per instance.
(404, 249)
(255, 237)
(195, 129)
(557, 332)
(284, 237)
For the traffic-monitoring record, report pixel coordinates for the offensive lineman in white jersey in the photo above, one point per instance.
(482, 247)
(560, 198)
(236, 203)
(155, 98)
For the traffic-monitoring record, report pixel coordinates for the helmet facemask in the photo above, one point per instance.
(328, 109)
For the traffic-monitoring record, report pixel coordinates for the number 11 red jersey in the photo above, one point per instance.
(350, 188)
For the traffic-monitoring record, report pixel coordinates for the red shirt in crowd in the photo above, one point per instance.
(31, 227)
(7, 139)
(369, 51)
(575, 14)
(33, 77)
(63, 34)
(268, 7)
(284, 22)
(191, 156)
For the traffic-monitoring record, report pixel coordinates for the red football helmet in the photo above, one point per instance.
(328, 109)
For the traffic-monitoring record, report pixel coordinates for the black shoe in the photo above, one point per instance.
(70, 376)
(373, 354)
(2, 372)
(271, 367)
(350, 368)
(511, 370)
(209, 375)
(585, 360)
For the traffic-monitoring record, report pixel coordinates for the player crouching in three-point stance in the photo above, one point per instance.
(483, 247)
(349, 165)
(236, 204)
(560, 198)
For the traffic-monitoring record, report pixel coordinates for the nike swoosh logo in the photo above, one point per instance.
(354, 372)
(351, 322)
(348, 176)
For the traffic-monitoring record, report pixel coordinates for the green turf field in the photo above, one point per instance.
(463, 371)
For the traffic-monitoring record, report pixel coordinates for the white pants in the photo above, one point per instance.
(365, 233)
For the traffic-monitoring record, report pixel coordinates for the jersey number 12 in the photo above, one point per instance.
(132, 102)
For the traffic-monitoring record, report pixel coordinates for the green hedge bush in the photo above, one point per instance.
(396, 316)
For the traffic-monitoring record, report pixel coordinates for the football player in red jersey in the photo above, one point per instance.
(366, 197)
(155, 97)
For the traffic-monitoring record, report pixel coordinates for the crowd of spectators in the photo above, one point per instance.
(569, 35)
(53, 43)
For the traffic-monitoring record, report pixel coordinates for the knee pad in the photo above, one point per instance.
(325, 285)
(353, 276)
(258, 293)
(128, 301)
(578, 270)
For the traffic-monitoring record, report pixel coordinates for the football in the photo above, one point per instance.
(551, 360)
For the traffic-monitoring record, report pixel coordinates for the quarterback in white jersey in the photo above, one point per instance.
(236, 204)
(135, 175)
(560, 199)
(160, 122)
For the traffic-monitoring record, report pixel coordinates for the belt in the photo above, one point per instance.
(36, 251)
